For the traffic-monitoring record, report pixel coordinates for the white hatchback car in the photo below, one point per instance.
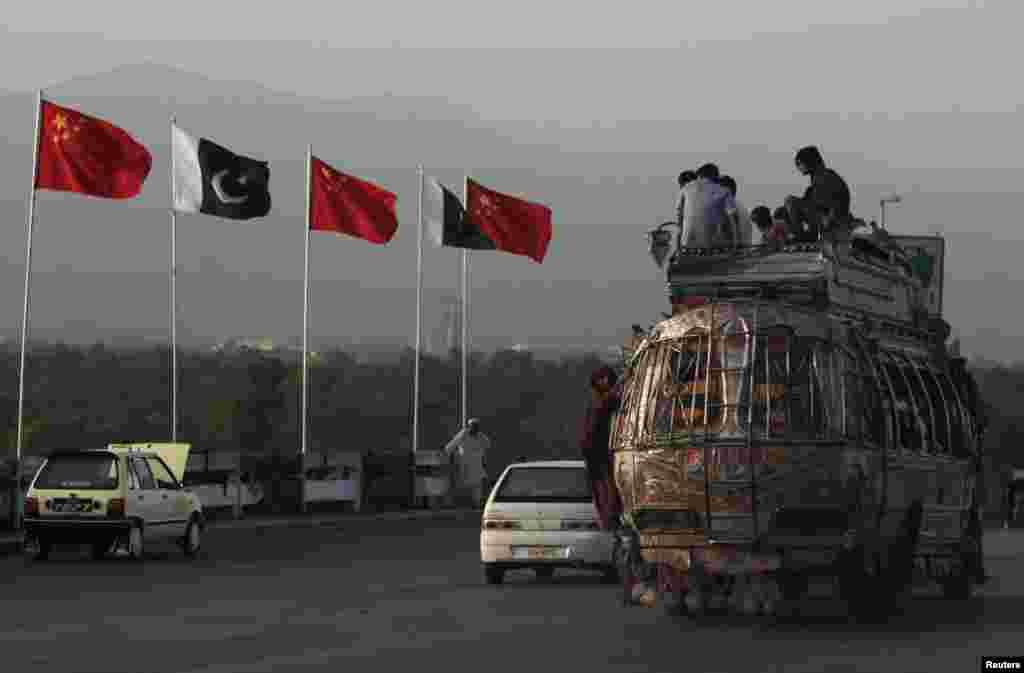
(124, 496)
(540, 515)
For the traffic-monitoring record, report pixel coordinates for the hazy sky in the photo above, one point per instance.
(475, 23)
(868, 56)
(910, 96)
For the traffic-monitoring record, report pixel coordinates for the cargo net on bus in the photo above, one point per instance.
(760, 375)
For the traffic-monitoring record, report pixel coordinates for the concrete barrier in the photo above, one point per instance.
(334, 490)
(227, 494)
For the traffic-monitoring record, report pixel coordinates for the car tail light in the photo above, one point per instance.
(115, 508)
(507, 525)
(32, 506)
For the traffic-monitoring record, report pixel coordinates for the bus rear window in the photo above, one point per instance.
(82, 472)
(545, 484)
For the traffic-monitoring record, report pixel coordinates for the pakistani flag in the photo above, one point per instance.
(212, 180)
(447, 222)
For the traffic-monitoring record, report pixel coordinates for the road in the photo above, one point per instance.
(408, 596)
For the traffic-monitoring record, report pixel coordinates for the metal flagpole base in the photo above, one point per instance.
(303, 506)
(18, 506)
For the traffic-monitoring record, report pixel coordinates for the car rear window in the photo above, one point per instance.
(85, 472)
(545, 484)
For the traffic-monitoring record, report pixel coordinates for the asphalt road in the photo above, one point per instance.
(408, 596)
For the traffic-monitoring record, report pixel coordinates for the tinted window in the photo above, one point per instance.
(803, 396)
(164, 478)
(772, 397)
(82, 472)
(133, 477)
(923, 405)
(957, 440)
(544, 484)
(145, 476)
(908, 426)
(939, 406)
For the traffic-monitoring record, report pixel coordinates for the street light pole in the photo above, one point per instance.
(890, 198)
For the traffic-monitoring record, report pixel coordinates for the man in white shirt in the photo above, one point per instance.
(709, 211)
(746, 226)
(685, 178)
(470, 446)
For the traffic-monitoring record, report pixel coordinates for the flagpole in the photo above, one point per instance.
(174, 300)
(419, 322)
(305, 340)
(19, 503)
(419, 339)
(465, 311)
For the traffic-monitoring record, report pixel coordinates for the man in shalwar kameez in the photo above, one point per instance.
(604, 401)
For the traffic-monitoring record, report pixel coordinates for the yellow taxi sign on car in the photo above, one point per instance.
(175, 454)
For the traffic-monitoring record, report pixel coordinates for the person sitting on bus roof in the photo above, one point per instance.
(709, 211)
(761, 218)
(685, 178)
(782, 228)
(745, 229)
(772, 233)
(826, 203)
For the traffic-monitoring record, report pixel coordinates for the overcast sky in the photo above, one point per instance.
(910, 96)
(868, 56)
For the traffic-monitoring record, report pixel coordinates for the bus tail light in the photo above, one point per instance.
(115, 508)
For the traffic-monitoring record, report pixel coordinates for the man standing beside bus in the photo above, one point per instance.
(470, 446)
(605, 395)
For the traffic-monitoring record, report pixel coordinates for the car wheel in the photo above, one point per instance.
(101, 549)
(494, 574)
(136, 548)
(671, 603)
(544, 572)
(37, 549)
(610, 575)
(193, 539)
(960, 586)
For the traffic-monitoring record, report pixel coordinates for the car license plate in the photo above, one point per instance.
(537, 553)
(71, 505)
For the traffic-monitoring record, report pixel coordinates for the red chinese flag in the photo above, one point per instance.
(348, 205)
(79, 153)
(514, 225)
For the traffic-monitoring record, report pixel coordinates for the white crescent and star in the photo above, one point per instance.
(222, 196)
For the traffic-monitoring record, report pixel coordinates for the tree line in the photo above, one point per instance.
(250, 400)
(89, 396)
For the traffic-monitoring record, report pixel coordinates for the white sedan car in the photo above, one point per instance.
(540, 515)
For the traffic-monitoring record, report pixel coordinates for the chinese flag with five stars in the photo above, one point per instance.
(514, 225)
(79, 153)
(347, 205)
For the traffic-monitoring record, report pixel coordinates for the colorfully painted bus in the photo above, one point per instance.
(798, 422)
